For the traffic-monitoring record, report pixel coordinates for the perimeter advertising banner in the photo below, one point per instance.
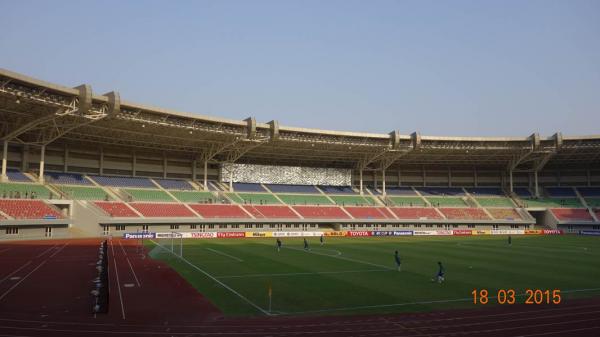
(462, 232)
(259, 234)
(589, 232)
(296, 234)
(482, 232)
(533, 232)
(338, 233)
(230, 235)
(507, 232)
(140, 235)
(392, 233)
(359, 233)
(552, 231)
(425, 233)
(200, 235)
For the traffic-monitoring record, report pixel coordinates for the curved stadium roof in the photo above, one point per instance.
(37, 112)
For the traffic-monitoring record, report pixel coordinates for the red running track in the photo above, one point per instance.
(44, 291)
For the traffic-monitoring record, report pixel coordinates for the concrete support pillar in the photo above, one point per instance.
(510, 181)
(475, 179)
(25, 158)
(66, 160)
(557, 178)
(165, 165)
(383, 182)
(535, 184)
(399, 178)
(42, 159)
(206, 175)
(194, 170)
(375, 180)
(231, 178)
(4, 177)
(449, 177)
(360, 179)
(589, 177)
(133, 163)
(101, 171)
(424, 177)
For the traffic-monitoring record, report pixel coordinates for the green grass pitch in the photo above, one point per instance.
(358, 275)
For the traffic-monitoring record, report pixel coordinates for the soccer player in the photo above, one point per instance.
(278, 245)
(441, 273)
(306, 245)
(321, 239)
(510, 240)
(398, 261)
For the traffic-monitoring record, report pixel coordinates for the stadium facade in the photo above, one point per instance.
(79, 164)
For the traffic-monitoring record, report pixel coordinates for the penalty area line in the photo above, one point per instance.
(225, 254)
(305, 273)
(216, 280)
(342, 258)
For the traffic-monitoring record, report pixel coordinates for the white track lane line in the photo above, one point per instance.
(133, 272)
(225, 254)
(16, 271)
(112, 246)
(31, 272)
(216, 280)
(45, 251)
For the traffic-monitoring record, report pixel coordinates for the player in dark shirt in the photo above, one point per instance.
(398, 261)
(278, 245)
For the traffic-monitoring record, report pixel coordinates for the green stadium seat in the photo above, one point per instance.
(83, 193)
(194, 196)
(495, 202)
(447, 202)
(148, 195)
(305, 199)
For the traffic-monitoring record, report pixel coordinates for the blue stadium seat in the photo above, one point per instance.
(336, 189)
(247, 187)
(523, 192)
(397, 190)
(66, 178)
(123, 181)
(559, 192)
(287, 188)
(174, 184)
(485, 191)
(588, 192)
(16, 175)
(441, 191)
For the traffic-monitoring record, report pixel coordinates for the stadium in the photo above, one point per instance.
(186, 210)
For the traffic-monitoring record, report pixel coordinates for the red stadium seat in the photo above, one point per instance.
(321, 212)
(273, 212)
(116, 209)
(163, 210)
(570, 214)
(465, 213)
(369, 212)
(28, 209)
(415, 213)
(219, 211)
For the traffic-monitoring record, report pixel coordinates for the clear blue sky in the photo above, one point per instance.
(489, 68)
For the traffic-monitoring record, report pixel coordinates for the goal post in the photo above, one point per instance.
(171, 241)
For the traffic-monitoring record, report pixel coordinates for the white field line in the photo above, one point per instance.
(216, 280)
(112, 246)
(14, 272)
(225, 254)
(31, 272)
(561, 332)
(305, 273)
(583, 250)
(465, 299)
(342, 258)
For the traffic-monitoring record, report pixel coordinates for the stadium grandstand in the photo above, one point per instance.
(79, 164)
